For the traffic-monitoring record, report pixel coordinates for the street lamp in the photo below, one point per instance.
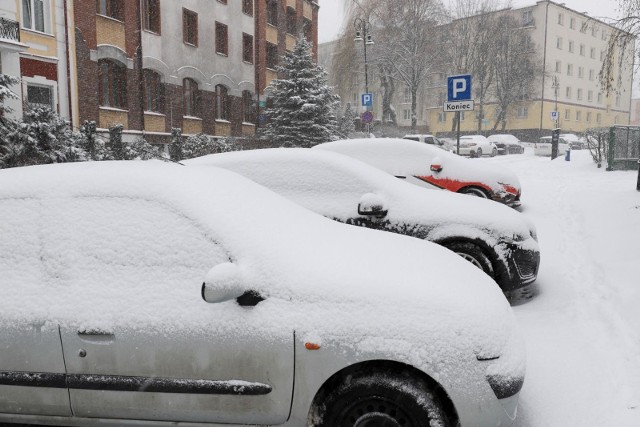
(556, 86)
(362, 28)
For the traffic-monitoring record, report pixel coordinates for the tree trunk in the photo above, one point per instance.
(414, 119)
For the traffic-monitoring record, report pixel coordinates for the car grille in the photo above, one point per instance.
(527, 265)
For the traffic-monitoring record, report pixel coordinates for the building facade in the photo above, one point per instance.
(10, 48)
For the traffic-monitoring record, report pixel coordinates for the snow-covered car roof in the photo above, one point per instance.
(407, 157)
(474, 137)
(503, 137)
(387, 293)
(314, 178)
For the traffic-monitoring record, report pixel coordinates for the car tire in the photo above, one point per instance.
(381, 400)
(494, 152)
(475, 191)
(474, 254)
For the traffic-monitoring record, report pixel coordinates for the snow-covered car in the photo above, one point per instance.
(506, 143)
(491, 236)
(309, 322)
(428, 139)
(575, 142)
(477, 146)
(543, 146)
(430, 167)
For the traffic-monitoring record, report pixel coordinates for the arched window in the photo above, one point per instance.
(222, 102)
(153, 91)
(113, 84)
(191, 97)
(247, 107)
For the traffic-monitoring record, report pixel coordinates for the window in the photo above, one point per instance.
(588, 116)
(592, 53)
(599, 98)
(40, 96)
(572, 23)
(590, 96)
(222, 39)
(560, 19)
(559, 42)
(151, 15)
(582, 50)
(558, 66)
(578, 116)
(442, 117)
(222, 103)
(307, 29)
(111, 8)
(604, 35)
(569, 69)
(406, 95)
(247, 7)
(579, 95)
(189, 27)
(272, 12)
(602, 55)
(153, 91)
(594, 31)
(191, 97)
(568, 92)
(571, 46)
(598, 118)
(406, 114)
(583, 27)
(247, 107)
(113, 84)
(567, 114)
(523, 112)
(272, 56)
(291, 21)
(527, 18)
(35, 15)
(580, 72)
(247, 48)
(592, 74)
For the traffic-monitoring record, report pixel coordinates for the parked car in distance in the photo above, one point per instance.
(102, 318)
(543, 146)
(477, 146)
(494, 238)
(427, 166)
(428, 139)
(574, 141)
(506, 144)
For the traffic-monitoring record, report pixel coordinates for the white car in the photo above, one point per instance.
(350, 191)
(477, 146)
(308, 321)
(543, 146)
(427, 166)
(506, 143)
(428, 139)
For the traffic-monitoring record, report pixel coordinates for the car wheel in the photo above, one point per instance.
(475, 191)
(382, 400)
(494, 152)
(479, 152)
(474, 254)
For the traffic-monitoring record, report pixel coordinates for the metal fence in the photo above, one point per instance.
(624, 148)
(9, 29)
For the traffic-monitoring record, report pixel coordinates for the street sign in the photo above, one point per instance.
(458, 106)
(262, 104)
(459, 88)
(366, 117)
(367, 99)
(554, 115)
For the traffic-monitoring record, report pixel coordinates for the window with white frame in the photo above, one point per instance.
(582, 50)
(590, 96)
(578, 116)
(588, 116)
(560, 19)
(40, 95)
(569, 69)
(567, 114)
(559, 42)
(572, 23)
(558, 66)
(592, 74)
(36, 15)
(592, 53)
(598, 118)
(568, 92)
(523, 112)
(579, 95)
(571, 46)
(580, 72)
(406, 95)
(406, 114)
(442, 117)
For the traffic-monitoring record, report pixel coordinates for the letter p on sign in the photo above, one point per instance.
(459, 88)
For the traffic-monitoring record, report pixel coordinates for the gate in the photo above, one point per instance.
(624, 148)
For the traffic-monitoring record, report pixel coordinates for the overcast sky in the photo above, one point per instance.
(331, 13)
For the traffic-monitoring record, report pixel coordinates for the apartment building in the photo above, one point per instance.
(572, 47)
(33, 48)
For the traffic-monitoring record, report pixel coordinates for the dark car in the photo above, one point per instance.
(493, 237)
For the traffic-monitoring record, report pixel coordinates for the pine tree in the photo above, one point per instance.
(6, 124)
(303, 111)
(347, 122)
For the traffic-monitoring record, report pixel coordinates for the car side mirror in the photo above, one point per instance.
(436, 164)
(372, 205)
(223, 282)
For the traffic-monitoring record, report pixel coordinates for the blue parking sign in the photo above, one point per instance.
(459, 88)
(367, 99)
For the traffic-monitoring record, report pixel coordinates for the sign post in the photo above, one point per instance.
(555, 138)
(458, 99)
(367, 102)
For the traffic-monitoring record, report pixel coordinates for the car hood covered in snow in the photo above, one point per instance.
(401, 157)
(372, 292)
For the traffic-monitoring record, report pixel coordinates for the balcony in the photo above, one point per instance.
(9, 30)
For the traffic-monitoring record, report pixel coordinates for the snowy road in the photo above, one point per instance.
(583, 328)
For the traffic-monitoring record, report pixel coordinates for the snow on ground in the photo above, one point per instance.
(582, 329)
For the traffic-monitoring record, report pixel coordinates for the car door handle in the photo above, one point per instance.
(95, 333)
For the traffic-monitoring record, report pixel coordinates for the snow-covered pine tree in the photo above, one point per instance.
(303, 111)
(347, 122)
(6, 124)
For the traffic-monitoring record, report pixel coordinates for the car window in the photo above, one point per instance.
(412, 138)
(429, 140)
